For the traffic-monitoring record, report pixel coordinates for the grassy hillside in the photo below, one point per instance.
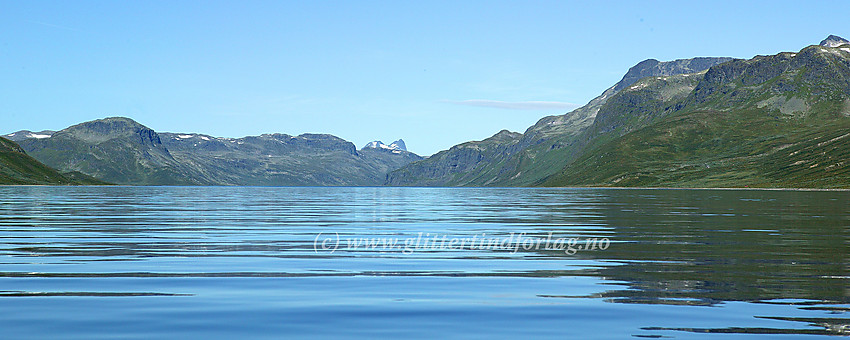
(16, 167)
(750, 148)
(772, 121)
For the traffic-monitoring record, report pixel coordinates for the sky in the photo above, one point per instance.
(434, 73)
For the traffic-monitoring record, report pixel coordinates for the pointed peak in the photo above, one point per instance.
(397, 145)
(834, 41)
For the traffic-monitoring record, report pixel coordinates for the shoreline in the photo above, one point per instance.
(436, 187)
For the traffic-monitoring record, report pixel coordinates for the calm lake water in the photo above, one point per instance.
(248, 262)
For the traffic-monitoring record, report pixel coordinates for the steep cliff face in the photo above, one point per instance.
(117, 150)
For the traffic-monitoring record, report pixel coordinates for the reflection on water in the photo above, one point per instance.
(197, 262)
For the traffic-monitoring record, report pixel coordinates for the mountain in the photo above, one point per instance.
(771, 121)
(458, 165)
(778, 120)
(26, 134)
(117, 150)
(122, 151)
(284, 160)
(397, 145)
(834, 41)
(16, 167)
(529, 158)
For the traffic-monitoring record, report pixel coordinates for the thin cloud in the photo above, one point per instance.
(527, 105)
(53, 25)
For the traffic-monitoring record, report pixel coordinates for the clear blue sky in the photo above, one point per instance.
(436, 73)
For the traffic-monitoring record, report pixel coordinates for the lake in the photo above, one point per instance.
(260, 262)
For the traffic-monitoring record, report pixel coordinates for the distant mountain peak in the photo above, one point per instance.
(834, 41)
(397, 145)
(26, 134)
(101, 130)
(653, 67)
(107, 125)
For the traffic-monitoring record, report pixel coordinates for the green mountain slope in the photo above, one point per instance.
(117, 150)
(771, 121)
(464, 164)
(544, 148)
(16, 167)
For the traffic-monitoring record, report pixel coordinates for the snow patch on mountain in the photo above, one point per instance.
(834, 41)
(21, 135)
(395, 146)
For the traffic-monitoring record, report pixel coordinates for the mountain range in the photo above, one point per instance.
(779, 120)
(770, 121)
(521, 159)
(122, 151)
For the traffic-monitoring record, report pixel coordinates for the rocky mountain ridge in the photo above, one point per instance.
(122, 151)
